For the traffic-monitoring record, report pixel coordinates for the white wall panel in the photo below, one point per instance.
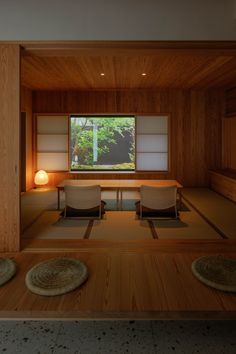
(152, 143)
(52, 161)
(52, 125)
(53, 143)
(152, 125)
(152, 161)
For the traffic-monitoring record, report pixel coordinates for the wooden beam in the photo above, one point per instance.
(9, 147)
(77, 48)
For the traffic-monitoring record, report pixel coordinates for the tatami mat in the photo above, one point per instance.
(190, 225)
(41, 222)
(120, 225)
(220, 211)
(29, 215)
(34, 202)
(51, 226)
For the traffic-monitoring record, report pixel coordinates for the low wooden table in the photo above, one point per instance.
(119, 186)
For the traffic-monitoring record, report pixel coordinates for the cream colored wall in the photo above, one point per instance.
(117, 20)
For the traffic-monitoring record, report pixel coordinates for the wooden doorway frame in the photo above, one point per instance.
(10, 56)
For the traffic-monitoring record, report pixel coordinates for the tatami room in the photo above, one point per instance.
(118, 177)
(124, 121)
(120, 116)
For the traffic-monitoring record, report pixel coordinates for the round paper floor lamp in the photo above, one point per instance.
(41, 178)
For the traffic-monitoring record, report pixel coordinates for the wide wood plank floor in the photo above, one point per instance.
(145, 280)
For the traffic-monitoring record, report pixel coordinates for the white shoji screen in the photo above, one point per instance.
(152, 143)
(52, 143)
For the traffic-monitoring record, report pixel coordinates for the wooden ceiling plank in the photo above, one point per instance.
(176, 67)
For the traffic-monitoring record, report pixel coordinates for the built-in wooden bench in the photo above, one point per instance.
(224, 182)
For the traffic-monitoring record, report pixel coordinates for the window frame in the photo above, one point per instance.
(135, 115)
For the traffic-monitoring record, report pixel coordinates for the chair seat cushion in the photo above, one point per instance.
(149, 213)
(91, 212)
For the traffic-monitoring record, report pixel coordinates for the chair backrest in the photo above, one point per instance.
(82, 197)
(162, 197)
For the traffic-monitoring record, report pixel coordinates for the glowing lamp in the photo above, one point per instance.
(41, 178)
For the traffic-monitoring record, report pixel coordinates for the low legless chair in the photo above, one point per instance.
(83, 199)
(154, 199)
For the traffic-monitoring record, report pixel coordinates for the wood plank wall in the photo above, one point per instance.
(196, 133)
(224, 183)
(26, 106)
(229, 131)
(230, 102)
(9, 147)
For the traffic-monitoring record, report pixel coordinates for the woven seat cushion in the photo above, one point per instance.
(92, 212)
(147, 212)
(216, 271)
(7, 270)
(56, 276)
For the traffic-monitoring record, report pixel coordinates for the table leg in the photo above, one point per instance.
(180, 200)
(121, 199)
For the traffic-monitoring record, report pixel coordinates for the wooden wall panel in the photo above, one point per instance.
(224, 183)
(9, 147)
(196, 143)
(229, 145)
(229, 130)
(215, 108)
(230, 102)
(26, 106)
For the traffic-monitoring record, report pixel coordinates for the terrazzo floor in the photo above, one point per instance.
(144, 337)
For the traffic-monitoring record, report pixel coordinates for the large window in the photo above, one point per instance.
(102, 143)
(115, 143)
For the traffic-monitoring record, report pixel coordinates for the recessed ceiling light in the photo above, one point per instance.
(102, 74)
(144, 74)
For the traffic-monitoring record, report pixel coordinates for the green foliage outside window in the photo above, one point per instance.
(108, 131)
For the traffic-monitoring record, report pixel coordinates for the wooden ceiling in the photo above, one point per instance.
(167, 65)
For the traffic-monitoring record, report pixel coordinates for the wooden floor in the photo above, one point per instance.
(127, 280)
(142, 279)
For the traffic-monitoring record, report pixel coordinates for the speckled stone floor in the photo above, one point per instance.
(144, 337)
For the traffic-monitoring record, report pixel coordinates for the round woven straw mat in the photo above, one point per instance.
(7, 270)
(56, 276)
(216, 271)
